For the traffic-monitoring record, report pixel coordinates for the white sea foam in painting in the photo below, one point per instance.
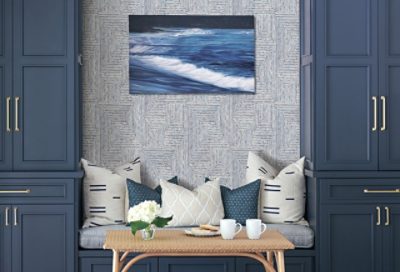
(190, 71)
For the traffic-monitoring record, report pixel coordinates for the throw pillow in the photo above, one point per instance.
(282, 199)
(104, 192)
(203, 205)
(139, 192)
(241, 203)
(258, 168)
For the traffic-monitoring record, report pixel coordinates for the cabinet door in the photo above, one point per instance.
(43, 238)
(44, 85)
(196, 264)
(391, 239)
(5, 85)
(5, 239)
(350, 239)
(104, 264)
(346, 80)
(292, 264)
(389, 144)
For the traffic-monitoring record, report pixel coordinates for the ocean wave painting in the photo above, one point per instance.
(191, 54)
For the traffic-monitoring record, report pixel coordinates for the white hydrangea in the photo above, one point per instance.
(146, 211)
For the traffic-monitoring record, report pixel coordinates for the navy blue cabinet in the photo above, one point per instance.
(350, 238)
(197, 264)
(391, 238)
(5, 84)
(37, 225)
(5, 238)
(39, 127)
(42, 238)
(292, 264)
(102, 262)
(389, 85)
(350, 84)
(346, 79)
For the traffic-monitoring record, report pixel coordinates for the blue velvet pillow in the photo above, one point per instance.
(138, 192)
(241, 203)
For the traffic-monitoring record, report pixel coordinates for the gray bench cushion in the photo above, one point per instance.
(301, 236)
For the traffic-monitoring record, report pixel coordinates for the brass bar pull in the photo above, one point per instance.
(383, 99)
(15, 216)
(378, 216)
(7, 223)
(16, 114)
(8, 127)
(394, 191)
(375, 125)
(387, 223)
(26, 191)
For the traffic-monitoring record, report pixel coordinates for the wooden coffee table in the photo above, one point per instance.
(177, 243)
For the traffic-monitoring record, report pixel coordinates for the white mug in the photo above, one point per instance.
(228, 228)
(255, 228)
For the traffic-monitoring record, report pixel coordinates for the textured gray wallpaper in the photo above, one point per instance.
(191, 136)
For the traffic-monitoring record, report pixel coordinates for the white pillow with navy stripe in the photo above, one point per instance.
(283, 198)
(104, 193)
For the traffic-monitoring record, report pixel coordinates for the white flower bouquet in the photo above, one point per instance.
(145, 216)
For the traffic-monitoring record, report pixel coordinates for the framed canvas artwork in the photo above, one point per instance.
(191, 54)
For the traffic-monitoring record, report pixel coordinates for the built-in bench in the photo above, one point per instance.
(93, 259)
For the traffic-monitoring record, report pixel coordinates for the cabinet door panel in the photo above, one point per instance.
(345, 137)
(349, 239)
(392, 19)
(5, 84)
(348, 26)
(43, 239)
(44, 27)
(391, 240)
(5, 239)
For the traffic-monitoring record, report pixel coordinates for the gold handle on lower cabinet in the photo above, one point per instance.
(26, 191)
(8, 126)
(375, 125)
(17, 113)
(393, 191)
(7, 223)
(387, 223)
(383, 99)
(378, 216)
(15, 216)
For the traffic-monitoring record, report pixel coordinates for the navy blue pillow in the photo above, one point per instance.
(241, 203)
(138, 192)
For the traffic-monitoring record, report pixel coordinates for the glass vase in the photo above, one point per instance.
(148, 233)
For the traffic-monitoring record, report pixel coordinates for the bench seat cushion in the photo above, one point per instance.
(301, 236)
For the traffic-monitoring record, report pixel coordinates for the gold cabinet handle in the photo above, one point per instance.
(378, 216)
(394, 191)
(8, 127)
(383, 99)
(16, 113)
(387, 223)
(375, 125)
(26, 191)
(15, 216)
(7, 223)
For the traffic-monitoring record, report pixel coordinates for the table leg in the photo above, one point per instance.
(280, 260)
(116, 263)
(270, 257)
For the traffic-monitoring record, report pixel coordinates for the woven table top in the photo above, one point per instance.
(175, 241)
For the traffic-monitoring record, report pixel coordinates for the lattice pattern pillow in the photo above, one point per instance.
(203, 205)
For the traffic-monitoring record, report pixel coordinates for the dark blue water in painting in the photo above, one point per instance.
(192, 60)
